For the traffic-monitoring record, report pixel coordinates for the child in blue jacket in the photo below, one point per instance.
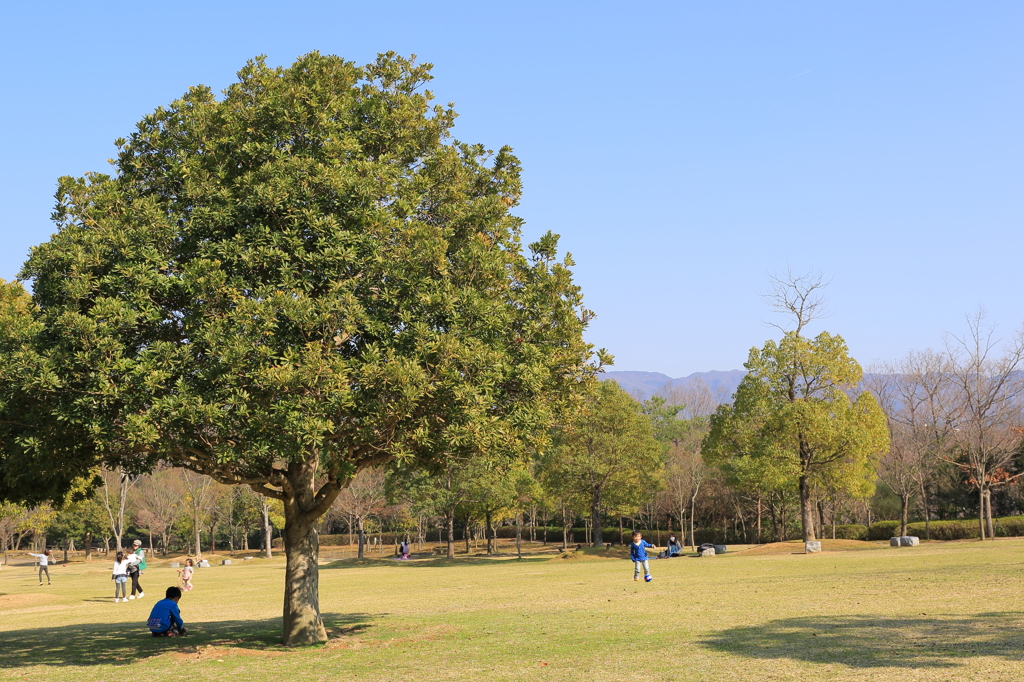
(638, 553)
(165, 618)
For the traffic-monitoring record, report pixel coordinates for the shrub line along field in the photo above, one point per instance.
(942, 611)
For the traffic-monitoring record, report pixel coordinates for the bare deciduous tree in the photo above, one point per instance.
(197, 488)
(116, 485)
(363, 497)
(987, 414)
(798, 296)
(159, 499)
(916, 394)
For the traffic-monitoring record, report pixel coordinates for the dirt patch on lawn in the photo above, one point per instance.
(797, 547)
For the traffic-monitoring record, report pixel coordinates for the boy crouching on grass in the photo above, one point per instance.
(165, 618)
(638, 553)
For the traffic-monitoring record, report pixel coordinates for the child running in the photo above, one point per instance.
(120, 578)
(185, 575)
(638, 553)
(44, 565)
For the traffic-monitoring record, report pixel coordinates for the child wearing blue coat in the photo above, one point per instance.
(638, 553)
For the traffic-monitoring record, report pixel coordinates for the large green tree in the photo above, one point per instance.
(793, 419)
(606, 454)
(280, 287)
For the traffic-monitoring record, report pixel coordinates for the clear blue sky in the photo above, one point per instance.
(683, 150)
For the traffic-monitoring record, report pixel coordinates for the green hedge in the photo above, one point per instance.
(852, 531)
(883, 530)
(955, 529)
(967, 529)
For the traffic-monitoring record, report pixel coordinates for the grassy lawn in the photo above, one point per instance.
(950, 611)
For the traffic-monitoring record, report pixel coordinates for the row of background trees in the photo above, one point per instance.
(953, 419)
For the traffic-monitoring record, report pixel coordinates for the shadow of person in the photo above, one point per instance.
(869, 642)
(122, 643)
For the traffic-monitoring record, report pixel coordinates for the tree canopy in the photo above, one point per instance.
(281, 287)
(606, 456)
(792, 421)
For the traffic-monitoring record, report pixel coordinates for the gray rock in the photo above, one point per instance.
(707, 552)
(894, 542)
(719, 549)
(175, 564)
(247, 558)
(909, 541)
(204, 564)
(225, 562)
(812, 547)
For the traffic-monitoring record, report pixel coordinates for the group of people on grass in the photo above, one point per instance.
(165, 618)
(127, 566)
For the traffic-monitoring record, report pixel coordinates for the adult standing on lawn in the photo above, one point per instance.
(136, 564)
(44, 563)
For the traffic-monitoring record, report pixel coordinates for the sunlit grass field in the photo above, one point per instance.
(949, 611)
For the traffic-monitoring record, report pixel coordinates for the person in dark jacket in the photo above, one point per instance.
(638, 553)
(165, 618)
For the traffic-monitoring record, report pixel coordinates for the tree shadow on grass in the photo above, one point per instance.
(432, 563)
(867, 642)
(122, 643)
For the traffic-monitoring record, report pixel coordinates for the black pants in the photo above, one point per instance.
(136, 587)
(172, 631)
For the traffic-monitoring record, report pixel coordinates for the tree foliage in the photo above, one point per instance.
(281, 287)
(606, 455)
(793, 422)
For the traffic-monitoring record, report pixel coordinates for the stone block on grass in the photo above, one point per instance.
(225, 562)
(204, 564)
(909, 541)
(812, 547)
(175, 564)
(719, 549)
(710, 551)
(894, 542)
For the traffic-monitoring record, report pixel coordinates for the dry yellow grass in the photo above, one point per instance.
(936, 612)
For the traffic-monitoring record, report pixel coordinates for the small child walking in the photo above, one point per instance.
(638, 553)
(185, 575)
(120, 578)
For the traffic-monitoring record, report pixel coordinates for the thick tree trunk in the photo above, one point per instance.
(519, 537)
(199, 534)
(490, 535)
(927, 512)
(450, 522)
(595, 518)
(759, 519)
(806, 509)
(268, 530)
(88, 546)
(981, 511)
(988, 514)
(360, 537)
(302, 622)
(904, 513)
(466, 534)
(302, 508)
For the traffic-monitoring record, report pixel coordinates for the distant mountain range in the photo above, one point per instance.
(645, 384)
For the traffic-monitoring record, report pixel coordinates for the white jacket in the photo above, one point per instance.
(121, 567)
(43, 559)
